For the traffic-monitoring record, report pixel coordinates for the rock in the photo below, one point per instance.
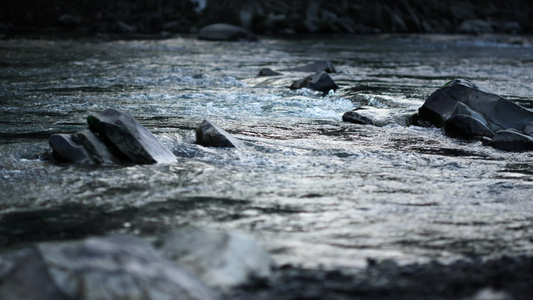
(320, 81)
(225, 32)
(511, 140)
(371, 116)
(67, 150)
(210, 135)
(116, 267)
(466, 126)
(221, 259)
(268, 72)
(315, 67)
(462, 96)
(121, 132)
(301, 83)
(96, 148)
(528, 129)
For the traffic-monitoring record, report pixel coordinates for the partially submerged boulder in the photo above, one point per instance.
(225, 32)
(318, 66)
(116, 267)
(129, 137)
(210, 135)
(320, 81)
(114, 137)
(468, 111)
(221, 259)
(264, 72)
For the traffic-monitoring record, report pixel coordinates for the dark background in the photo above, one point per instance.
(266, 17)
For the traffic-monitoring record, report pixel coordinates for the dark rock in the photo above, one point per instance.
(67, 150)
(96, 148)
(528, 129)
(511, 140)
(322, 82)
(210, 135)
(116, 267)
(225, 32)
(221, 259)
(475, 26)
(461, 96)
(123, 133)
(466, 126)
(319, 66)
(268, 72)
(355, 117)
(301, 83)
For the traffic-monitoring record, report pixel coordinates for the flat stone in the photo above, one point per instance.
(123, 133)
(210, 135)
(225, 32)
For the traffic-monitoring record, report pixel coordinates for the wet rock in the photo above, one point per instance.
(268, 72)
(377, 117)
(225, 32)
(210, 135)
(116, 267)
(528, 129)
(357, 118)
(319, 66)
(96, 148)
(463, 97)
(123, 133)
(221, 259)
(511, 140)
(466, 126)
(67, 150)
(320, 81)
(301, 83)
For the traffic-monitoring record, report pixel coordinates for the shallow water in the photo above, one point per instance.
(314, 190)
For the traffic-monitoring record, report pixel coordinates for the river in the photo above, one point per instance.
(313, 190)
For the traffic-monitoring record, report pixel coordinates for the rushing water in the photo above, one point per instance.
(312, 189)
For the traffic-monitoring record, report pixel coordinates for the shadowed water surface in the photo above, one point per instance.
(314, 190)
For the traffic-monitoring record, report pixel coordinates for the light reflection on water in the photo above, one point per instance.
(314, 190)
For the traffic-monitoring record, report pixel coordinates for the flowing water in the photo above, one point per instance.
(312, 189)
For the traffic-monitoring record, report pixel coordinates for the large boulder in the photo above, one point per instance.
(462, 96)
(210, 135)
(221, 259)
(116, 267)
(318, 66)
(121, 132)
(225, 32)
(320, 81)
(469, 111)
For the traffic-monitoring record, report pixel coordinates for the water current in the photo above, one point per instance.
(313, 190)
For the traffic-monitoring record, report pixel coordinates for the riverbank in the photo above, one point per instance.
(271, 17)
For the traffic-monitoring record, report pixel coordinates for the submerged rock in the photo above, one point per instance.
(466, 110)
(123, 133)
(116, 267)
(210, 135)
(225, 32)
(268, 72)
(318, 66)
(221, 259)
(320, 81)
